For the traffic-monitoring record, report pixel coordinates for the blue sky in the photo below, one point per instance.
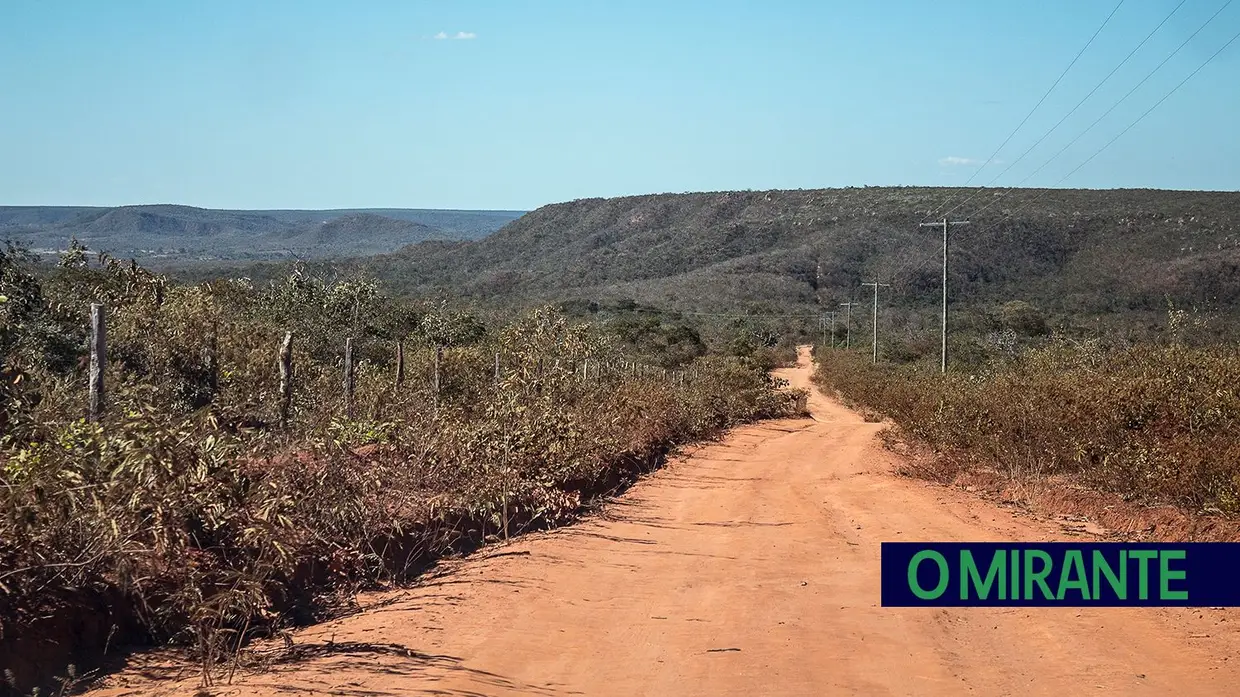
(312, 104)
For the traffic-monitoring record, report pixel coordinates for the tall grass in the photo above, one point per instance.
(1156, 424)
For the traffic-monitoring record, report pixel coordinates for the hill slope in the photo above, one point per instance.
(1069, 250)
(168, 234)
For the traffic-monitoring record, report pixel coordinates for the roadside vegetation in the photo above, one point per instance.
(187, 514)
(1155, 423)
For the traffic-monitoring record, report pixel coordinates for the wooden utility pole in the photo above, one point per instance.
(98, 359)
(285, 358)
(848, 323)
(946, 225)
(348, 378)
(832, 314)
(876, 285)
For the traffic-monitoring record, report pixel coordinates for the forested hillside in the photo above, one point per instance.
(1076, 259)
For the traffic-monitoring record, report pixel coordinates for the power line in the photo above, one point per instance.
(1029, 202)
(1116, 104)
(1035, 106)
(1074, 109)
(922, 259)
(1108, 144)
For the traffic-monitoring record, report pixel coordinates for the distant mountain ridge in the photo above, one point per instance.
(1077, 252)
(160, 234)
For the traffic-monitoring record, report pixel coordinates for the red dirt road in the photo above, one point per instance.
(748, 567)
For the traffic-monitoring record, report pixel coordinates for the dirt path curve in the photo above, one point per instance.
(749, 567)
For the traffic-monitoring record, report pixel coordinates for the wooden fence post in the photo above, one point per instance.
(348, 377)
(98, 358)
(400, 362)
(286, 378)
(497, 368)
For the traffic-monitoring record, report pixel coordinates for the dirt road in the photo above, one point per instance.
(748, 567)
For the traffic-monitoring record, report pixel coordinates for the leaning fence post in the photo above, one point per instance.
(585, 370)
(348, 377)
(400, 362)
(286, 378)
(98, 358)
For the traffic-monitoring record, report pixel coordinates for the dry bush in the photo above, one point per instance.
(1153, 423)
(192, 518)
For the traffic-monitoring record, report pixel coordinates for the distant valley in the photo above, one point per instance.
(165, 235)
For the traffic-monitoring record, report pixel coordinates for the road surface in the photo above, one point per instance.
(747, 567)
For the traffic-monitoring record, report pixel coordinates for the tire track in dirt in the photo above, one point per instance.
(748, 566)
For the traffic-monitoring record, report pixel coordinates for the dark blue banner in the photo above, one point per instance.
(1078, 574)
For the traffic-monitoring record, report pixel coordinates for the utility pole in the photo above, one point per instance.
(946, 225)
(876, 285)
(848, 323)
(832, 315)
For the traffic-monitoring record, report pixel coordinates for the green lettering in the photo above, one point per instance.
(1038, 577)
(1015, 558)
(1166, 575)
(1073, 563)
(969, 574)
(1143, 571)
(944, 576)
(1119, 584)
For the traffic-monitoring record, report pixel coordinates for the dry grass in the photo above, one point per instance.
(1152, 424)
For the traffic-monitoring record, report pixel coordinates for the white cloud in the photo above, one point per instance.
(953, 161)
(459, 36)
